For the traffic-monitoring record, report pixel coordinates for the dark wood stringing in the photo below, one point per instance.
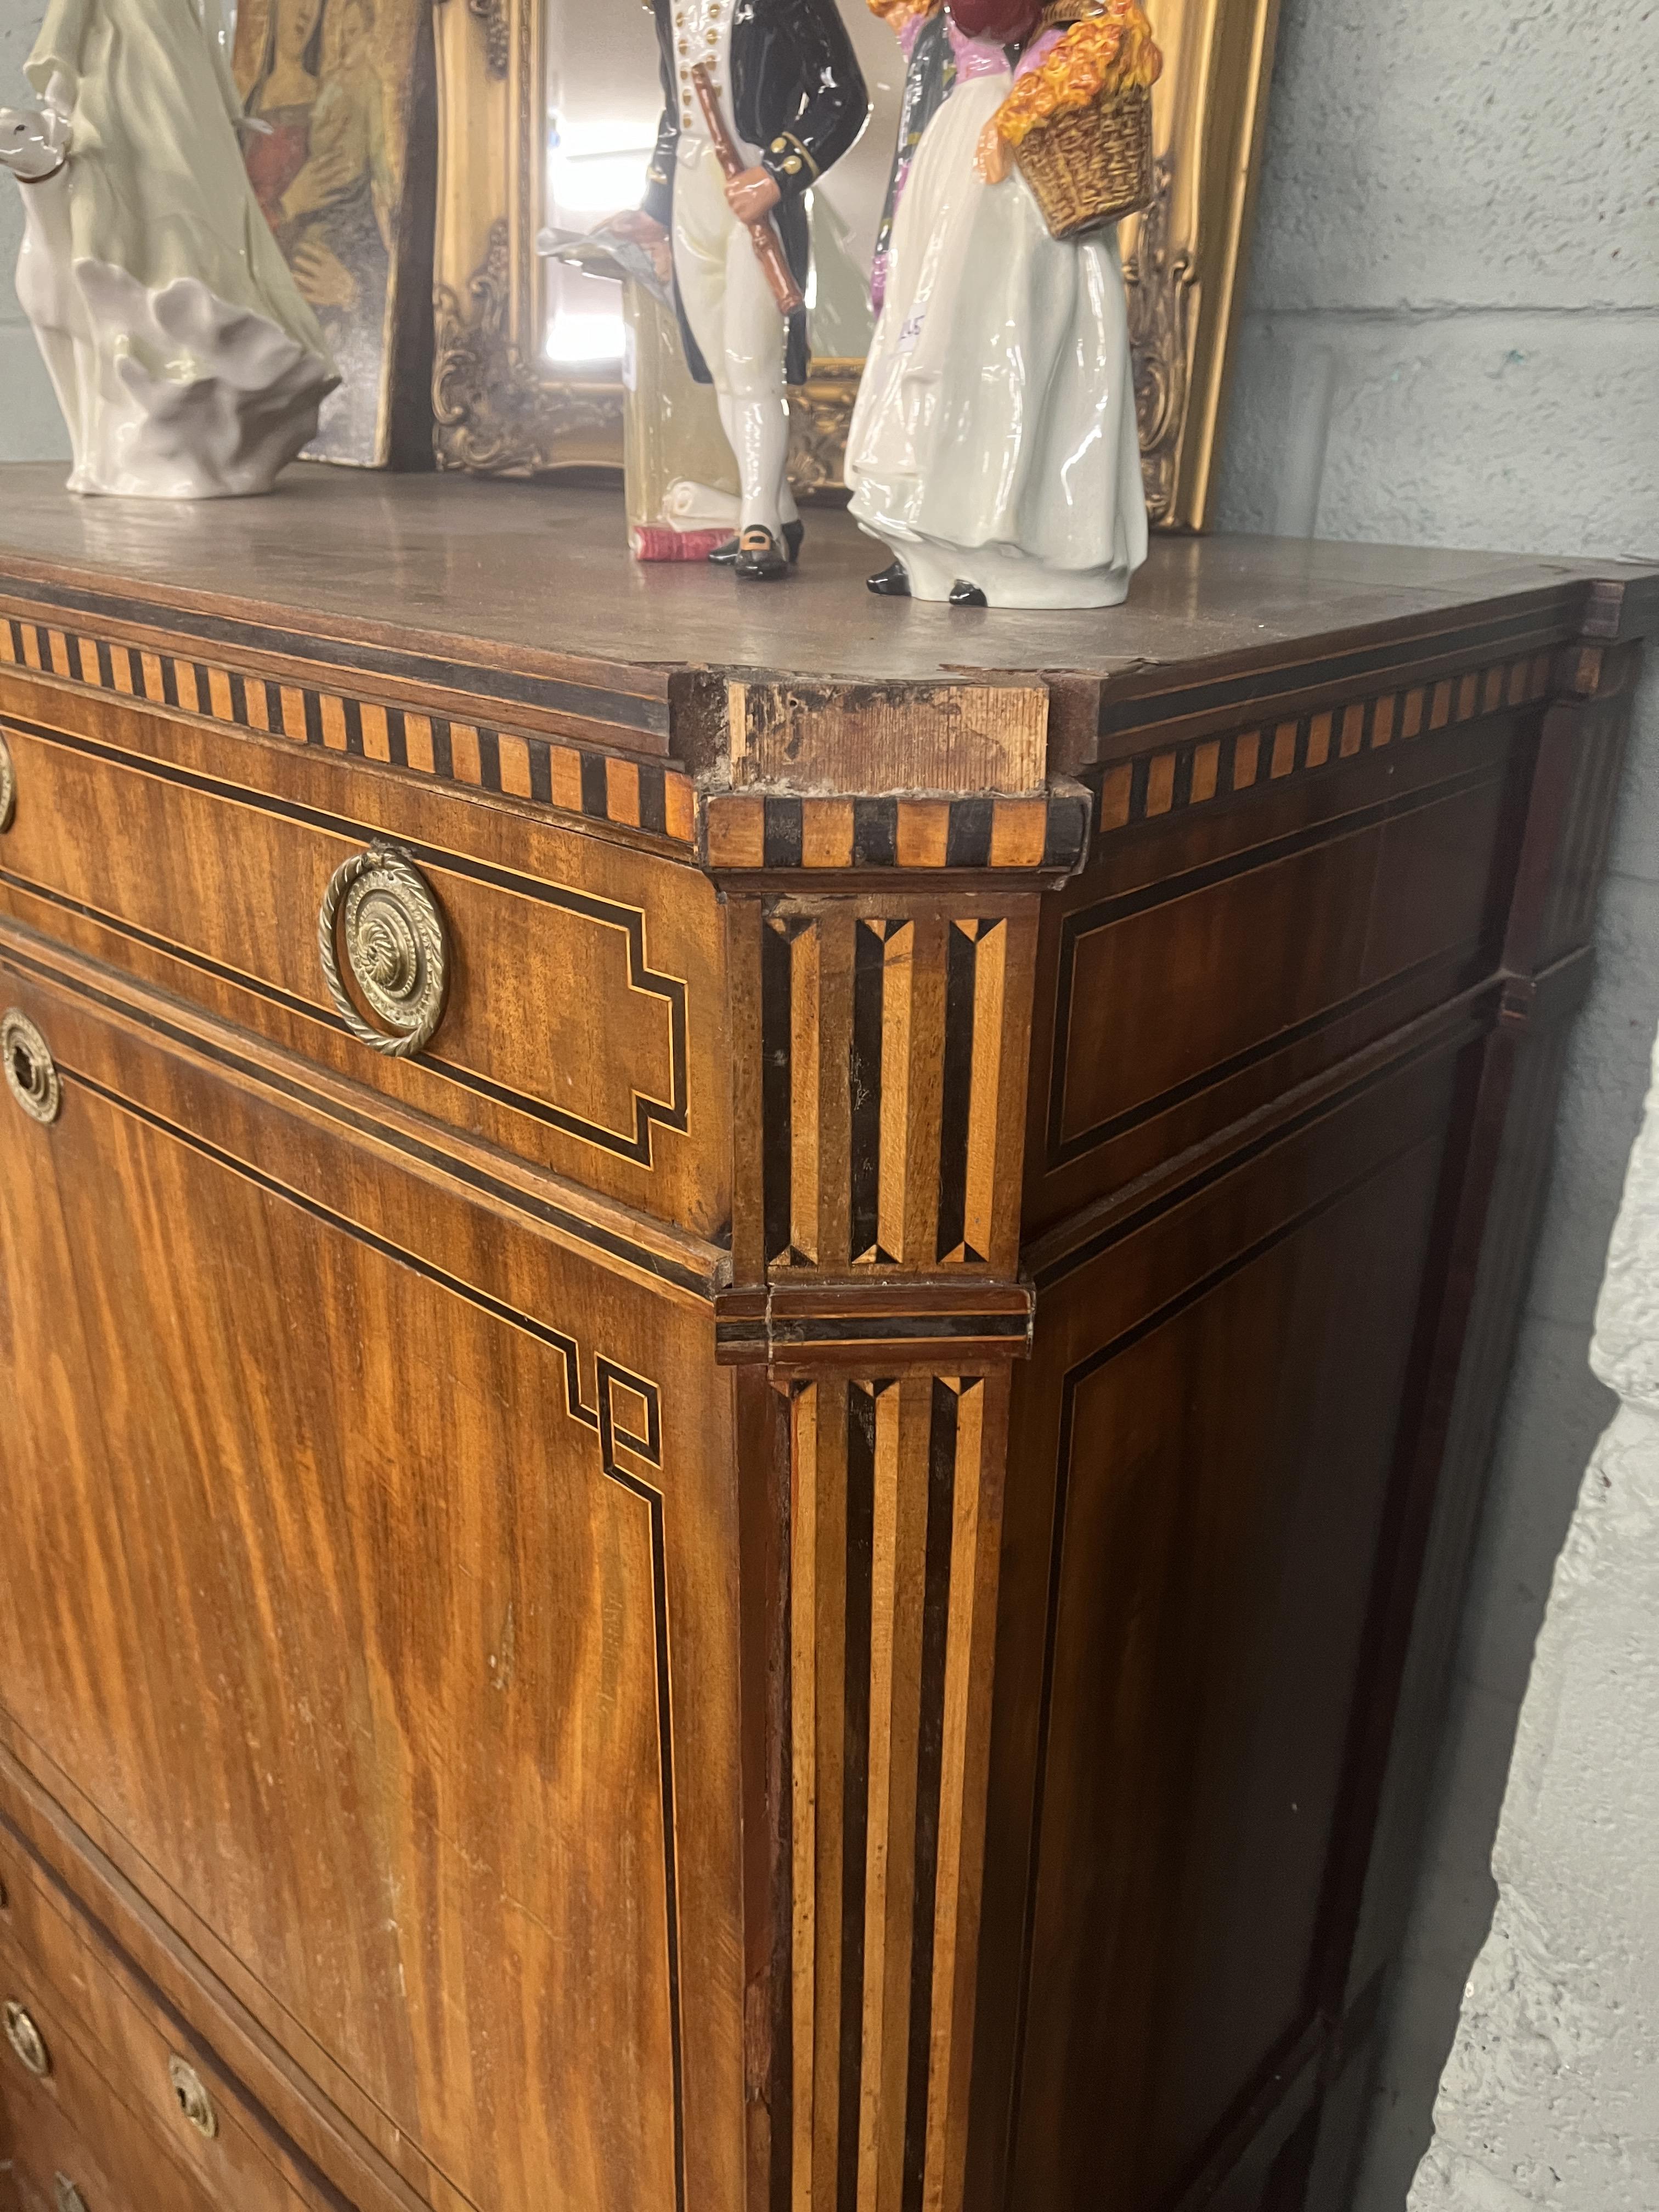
(1100, 1408)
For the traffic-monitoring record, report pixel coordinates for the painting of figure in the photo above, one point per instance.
(341, 160)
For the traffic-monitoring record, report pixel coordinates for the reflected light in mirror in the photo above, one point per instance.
(574, 338)
(603, 93)
(595, 169)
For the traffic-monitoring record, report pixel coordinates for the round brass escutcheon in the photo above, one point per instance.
(190, 2091)
(26, 2040)
(379, 912)
(7, 786)
(30, 1073)
(66, 2196)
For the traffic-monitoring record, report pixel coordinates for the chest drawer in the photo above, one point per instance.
(572, 983)
(136, 2114)
(108, 2165)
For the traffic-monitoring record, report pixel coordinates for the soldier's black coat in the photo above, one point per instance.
(798, 94)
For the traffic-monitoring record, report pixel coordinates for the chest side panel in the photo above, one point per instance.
(1221, 955)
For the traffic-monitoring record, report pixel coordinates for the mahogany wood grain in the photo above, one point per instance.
(106, 2037)
(1193, 976)
(133, 2034)
(109, 2157)
(809, 1567)
(69, 1858)
(1224, 1382)
(306, 1495)
(585, 1022)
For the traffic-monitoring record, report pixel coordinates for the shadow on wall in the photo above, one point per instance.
(1555, 1413)
(1444, 344)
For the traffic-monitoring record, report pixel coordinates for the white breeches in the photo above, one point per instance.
(737, 324)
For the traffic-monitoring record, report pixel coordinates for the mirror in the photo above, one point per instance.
(548, 113)
(604, 100)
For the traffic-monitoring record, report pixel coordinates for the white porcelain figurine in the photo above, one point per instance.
(995, 448)
(185, 361)
(727, 211)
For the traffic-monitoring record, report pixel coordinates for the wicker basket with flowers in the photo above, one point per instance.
(1081, 124)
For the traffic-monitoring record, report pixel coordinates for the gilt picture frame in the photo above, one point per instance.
(505, 406)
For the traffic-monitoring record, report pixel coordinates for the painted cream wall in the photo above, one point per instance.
(31, 429)
(1452, 338)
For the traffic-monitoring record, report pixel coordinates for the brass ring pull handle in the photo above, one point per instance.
(194, 2101)
(26, 2040)
(66, 2196)
(30, 1073)
(8, 788)
(379, 909)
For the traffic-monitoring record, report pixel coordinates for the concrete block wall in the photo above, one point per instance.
(1452, 338)
(1547, 2102)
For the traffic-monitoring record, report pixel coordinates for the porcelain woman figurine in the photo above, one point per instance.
(923, 30)
(994, 446)
(185, 362)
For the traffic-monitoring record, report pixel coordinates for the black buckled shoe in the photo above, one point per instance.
(794, 537)
(965, 594)
(893, 582)
(760, 559)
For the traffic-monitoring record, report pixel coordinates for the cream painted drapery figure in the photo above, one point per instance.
(995, 448)
(186, 364)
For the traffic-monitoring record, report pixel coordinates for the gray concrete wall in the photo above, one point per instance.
(1547, 2102)
(1453, 338)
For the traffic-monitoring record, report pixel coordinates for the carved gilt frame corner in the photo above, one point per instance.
(1184, 260)
(502, 410)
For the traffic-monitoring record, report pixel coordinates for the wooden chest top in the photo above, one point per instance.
(508, 617)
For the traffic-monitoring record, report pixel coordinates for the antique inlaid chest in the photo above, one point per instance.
(748, 1343)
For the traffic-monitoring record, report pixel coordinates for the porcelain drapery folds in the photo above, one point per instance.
(186, 363)
(994, 446)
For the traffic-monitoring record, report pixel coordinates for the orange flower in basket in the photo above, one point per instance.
(1098, 60)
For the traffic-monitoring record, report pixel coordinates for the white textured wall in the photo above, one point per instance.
(1453, 337)
(1551, 2101)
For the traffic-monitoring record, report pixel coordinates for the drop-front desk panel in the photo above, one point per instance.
(803, 1559)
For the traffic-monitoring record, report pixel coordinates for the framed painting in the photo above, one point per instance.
(345, 166)
(548, 112)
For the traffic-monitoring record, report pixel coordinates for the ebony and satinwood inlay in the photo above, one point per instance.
(808, 1564)
(876, 1156)
(634, 794)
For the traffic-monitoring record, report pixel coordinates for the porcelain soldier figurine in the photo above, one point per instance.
(789, 88)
